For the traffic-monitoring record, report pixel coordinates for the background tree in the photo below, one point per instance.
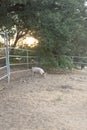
(59, 25)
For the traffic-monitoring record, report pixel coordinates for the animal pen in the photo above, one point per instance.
(21, 57)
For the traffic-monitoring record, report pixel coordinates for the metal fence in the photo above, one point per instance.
(3, 67)
(22, 57)
(4, 56)
(11, 58)
(79, 60)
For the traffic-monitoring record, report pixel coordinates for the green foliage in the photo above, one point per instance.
(59, 25)
(48, 62)
(65, 62)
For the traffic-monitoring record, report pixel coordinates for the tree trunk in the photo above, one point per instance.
(18, 36)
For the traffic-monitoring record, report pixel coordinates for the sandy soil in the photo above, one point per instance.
(57, 102)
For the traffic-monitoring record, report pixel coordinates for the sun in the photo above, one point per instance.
(30, 41)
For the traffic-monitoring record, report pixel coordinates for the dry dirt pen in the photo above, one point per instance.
(57, 102)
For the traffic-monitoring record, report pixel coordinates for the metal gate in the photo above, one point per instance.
(4, 55)
(27, 58)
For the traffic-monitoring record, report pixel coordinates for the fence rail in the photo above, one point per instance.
(2, 58)
(10, 60)
(3, 77)
(17, 60)
(3, 67)
(2, 48)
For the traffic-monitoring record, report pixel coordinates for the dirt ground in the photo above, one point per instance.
(57, 102)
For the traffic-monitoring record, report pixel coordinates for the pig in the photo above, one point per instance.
(38, 70)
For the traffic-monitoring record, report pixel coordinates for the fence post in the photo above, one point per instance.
(7, 56)
(27, 60)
